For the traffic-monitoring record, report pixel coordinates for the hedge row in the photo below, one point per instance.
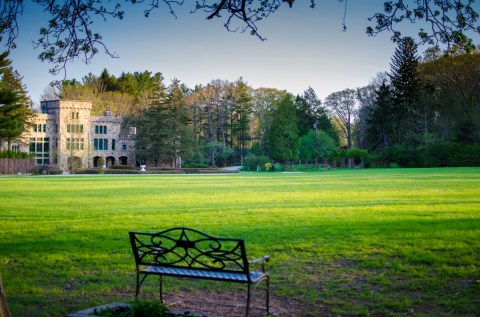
(152, 171)
(438, 154)
(8, 154)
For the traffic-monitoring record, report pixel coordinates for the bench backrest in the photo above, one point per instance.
(189, 248)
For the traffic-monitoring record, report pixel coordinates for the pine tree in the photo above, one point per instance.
(283, 134)
(15, 105)
(379, 131)
(165, 134)
(406, 88)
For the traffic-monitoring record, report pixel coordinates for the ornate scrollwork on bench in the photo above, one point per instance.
(185, 252)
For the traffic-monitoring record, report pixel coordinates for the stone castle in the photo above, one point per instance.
(65, 135)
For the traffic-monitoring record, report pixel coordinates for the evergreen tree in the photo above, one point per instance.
(379, 130)
(283, 134)
(406, 88)
(164, 131)
(242, 109)
(15, 105)
(310, 115)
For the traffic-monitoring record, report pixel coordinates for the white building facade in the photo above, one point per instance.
(67, 136)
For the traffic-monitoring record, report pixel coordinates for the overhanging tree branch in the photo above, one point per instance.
(70, 32)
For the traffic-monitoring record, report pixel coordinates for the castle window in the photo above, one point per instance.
(40, 147)
(100, 129)
(75, 143)
(100, 144)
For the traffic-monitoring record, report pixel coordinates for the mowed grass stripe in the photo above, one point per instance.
(348, 242)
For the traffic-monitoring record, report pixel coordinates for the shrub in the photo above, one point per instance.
(87, 171)
(122, 167)
(55, 171)
(455, 154)
(438, 154)
(171, 171)
(15, 155)
(195, 165)
(160, 168)
(149, 309)
(101, 161)
(121, 171)
(251, 162)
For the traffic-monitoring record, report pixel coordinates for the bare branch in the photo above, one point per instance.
(9, 12)
(449, 20)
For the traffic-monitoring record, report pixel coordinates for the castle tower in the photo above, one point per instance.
(70, 144)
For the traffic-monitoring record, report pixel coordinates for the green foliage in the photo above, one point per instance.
(343, 106)
(163, 131)
(122, 167)
(454, 154)
(15, 110)
(252, 162)
(356, 153)
(121, 171)
(439, 154)
(195, 165)
(148, 309)
(316, 145)
(453, 82)
(87, 171)
(15, 155)
(283, 134)
(55, 171)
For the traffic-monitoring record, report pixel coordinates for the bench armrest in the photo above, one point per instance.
(265, 258)
(262, 260)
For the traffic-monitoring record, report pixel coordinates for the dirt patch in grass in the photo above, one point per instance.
(232, 304)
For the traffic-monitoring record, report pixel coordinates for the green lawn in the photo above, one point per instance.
(380, 242)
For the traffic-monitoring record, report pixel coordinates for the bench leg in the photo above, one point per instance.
(160, 279)
(247, 310)
(268, 296)
(137, 287)
(139, 283)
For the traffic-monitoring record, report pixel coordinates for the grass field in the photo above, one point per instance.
(386, 242)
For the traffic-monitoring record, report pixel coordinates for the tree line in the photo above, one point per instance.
(217, 124)
(423, 112)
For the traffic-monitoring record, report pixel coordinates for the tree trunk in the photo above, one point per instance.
(4, 312)
(316, 163)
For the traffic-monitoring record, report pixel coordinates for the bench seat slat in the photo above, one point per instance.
(214, 275)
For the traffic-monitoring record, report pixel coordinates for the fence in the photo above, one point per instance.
(15, 166)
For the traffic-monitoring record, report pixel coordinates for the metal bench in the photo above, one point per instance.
(185, 252)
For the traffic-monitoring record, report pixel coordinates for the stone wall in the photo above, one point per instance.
(15, 166)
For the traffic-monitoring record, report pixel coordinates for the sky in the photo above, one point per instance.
(304, 48)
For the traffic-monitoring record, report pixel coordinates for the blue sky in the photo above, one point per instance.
(304, 47)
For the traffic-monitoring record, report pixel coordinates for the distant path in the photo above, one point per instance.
(232, 168)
